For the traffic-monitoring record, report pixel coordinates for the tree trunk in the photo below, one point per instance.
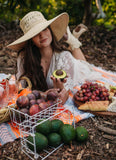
(87, 12)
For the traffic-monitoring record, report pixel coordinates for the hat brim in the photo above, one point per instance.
(57, 24)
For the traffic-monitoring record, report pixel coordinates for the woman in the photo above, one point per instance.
(40, 53)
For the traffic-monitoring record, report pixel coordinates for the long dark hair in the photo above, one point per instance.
(32, 63)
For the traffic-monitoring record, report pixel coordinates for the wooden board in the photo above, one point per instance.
(101, 113)
(105, 113)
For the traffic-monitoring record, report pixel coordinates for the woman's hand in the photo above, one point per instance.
(63, 95)
(53, 90)
(58, 83)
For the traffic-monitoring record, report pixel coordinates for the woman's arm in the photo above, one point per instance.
(74, 43)
(78, 54)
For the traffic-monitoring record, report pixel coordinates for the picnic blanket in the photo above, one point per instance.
(8, 133)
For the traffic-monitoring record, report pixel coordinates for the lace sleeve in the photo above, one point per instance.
(78, 71)
(65, 61)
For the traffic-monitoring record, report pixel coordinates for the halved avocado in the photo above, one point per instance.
(59, 73)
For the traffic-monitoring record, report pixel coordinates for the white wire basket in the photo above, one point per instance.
(16, 116)
(27, 127)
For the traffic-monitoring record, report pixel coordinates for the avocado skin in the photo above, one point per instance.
(61, 77)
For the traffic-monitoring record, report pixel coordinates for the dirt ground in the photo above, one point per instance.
(99, 49)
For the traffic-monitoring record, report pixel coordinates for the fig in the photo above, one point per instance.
(43, 105)
(52, 95)
(50, 103)
(22, 101)
(34, 109)
(33, 101)
(40, 101)
(22, 116)
(37, 94)
(43, 95)
(31, 96)
(24, 110)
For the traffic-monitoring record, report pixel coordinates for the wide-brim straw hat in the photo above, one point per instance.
(34, 22)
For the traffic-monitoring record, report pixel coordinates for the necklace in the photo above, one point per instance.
(46, 61)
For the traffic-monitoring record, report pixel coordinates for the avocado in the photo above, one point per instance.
(56, 125)
(81, 134)
(41, 142)
(67, 133)
(45, 127)
(59, 73)
(54, 139)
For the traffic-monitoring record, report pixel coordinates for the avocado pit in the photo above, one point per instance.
(61, 74)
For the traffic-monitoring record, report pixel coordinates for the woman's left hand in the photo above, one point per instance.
(58, 83)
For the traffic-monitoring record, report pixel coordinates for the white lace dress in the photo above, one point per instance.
(78, 71)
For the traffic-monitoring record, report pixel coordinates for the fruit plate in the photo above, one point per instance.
(100, 113)
(99, 95)
(103, 113)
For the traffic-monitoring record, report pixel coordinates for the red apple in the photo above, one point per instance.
(34, 109)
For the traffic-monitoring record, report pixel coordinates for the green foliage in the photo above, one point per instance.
(109, 7)
(15, 9)
(75, 9)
